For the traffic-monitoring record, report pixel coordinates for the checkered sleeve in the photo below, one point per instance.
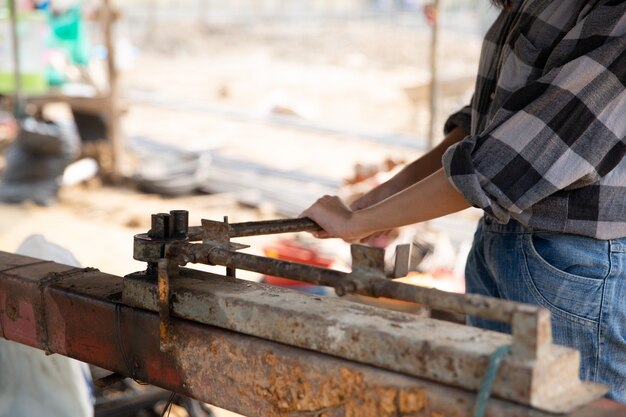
(564, 130)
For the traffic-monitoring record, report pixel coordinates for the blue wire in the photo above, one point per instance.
(490, 375)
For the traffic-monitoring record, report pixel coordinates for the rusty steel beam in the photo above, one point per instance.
(444, 352)
(77, 313)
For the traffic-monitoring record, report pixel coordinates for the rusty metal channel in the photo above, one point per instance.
(400, 342)
(76, 313)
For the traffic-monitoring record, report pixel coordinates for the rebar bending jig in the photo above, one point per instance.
(536, 373)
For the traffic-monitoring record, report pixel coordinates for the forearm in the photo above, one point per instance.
(418, 170)
(420, 192)
(430, 198)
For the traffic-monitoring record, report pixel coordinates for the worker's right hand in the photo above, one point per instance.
(336, 219)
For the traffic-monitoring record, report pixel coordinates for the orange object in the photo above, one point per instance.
(293, 251)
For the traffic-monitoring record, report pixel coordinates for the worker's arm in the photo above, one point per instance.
(412, 173)
(432, 197)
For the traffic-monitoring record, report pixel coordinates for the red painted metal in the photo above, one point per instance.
(77, 313)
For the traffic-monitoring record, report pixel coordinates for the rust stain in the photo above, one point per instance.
(277, 384)
(293, 393)
(291, 390)
(380, 402)
(412, 401)
(270, 359)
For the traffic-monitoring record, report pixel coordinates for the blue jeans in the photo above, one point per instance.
(581, 280)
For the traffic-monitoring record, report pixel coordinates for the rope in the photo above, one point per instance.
(490, 375)
(130, 370)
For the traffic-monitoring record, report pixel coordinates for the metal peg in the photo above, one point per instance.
(179, 224)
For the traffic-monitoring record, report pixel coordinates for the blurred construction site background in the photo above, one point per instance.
(246, 108)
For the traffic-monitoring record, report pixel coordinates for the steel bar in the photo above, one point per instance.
(77, 313)
(470, 304)
(484, 307)
(216, 255)
(258, 228)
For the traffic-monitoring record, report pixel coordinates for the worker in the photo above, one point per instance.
(540, 149)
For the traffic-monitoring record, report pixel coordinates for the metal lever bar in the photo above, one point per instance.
(488, 308)
(531, 325)
(268, 227)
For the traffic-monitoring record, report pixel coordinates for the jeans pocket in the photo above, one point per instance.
(566, 274)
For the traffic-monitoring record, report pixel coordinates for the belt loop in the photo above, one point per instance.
(616, 246)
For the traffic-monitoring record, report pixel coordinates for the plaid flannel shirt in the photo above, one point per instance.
(547, 122)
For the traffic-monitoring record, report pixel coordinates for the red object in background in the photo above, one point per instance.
(430, 13)
(8, 127)
(293, 251)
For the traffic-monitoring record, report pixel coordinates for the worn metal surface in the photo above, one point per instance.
(367, 258)
(441, 351)
(77, 314)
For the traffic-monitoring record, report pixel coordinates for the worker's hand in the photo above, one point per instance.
(335, 218)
